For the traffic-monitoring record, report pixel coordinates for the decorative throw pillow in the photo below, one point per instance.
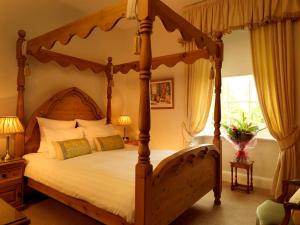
(72, 148)
(90, 123)
(51, 124)
(109, 143)
(100, 131)
(52, 135)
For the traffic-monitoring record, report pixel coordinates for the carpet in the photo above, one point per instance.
(237, 208)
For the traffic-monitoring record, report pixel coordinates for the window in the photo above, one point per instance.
(238, 95)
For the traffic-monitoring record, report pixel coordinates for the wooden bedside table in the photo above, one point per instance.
(132, 142)
(248, 166)
(11, 181)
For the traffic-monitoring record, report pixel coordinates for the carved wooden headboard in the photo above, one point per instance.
(68, 104)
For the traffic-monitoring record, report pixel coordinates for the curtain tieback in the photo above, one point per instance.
(289, 140)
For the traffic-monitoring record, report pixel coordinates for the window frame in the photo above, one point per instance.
(209, 129)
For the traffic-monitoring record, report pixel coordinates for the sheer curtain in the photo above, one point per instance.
(273, 63)
(199, 95)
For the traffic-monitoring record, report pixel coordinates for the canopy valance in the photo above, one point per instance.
(107, 18)
(226, 15)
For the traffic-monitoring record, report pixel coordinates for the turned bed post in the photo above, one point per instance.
(21, 59)
(217, 116)
(109, 77)
(144, 168)
(218, 84)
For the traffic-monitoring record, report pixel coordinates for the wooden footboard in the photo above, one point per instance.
(182, 179)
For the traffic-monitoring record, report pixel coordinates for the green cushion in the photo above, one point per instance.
(270, 213)
(72, 148)
(110, 142)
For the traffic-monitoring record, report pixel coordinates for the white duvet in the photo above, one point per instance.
(104, 179)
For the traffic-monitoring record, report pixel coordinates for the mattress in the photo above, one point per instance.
(104, 179)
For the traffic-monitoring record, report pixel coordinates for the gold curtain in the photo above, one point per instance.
(273, 63)
(199, 95)
(226, 15)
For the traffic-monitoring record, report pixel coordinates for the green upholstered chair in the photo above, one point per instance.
(278, 212)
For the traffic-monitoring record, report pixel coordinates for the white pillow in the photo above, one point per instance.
(90, 123)
(52, 135)
(100, 131)
(52, 124)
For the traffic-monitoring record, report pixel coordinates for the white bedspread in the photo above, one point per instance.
(104, 179)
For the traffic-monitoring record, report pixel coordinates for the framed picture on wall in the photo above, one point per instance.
(162, 94)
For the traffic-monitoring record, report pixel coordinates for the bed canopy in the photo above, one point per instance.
(106, 19)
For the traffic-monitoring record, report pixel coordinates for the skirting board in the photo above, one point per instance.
(259, 182)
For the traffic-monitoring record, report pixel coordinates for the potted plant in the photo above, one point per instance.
(240, 133)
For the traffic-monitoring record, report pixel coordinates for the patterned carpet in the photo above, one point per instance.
(237, 208)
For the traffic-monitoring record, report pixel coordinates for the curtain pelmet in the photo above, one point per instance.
(226, 15)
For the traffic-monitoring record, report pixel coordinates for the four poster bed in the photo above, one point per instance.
(179, 180)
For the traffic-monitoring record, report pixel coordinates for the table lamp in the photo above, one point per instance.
(8, 126)
(124, 121)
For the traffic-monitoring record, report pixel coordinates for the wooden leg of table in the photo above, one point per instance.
(251, 178)
(232, 178)
(236, 183)
(248, 185)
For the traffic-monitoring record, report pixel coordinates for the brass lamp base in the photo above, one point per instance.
(7, 156)
(125, 139)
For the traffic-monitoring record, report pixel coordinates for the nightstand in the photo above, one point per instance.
(132, 142)
(11, 181)
(248, 166)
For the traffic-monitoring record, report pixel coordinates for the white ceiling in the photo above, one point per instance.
(89, 6)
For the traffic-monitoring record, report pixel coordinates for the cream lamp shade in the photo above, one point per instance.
(124, 120)
(10, 125)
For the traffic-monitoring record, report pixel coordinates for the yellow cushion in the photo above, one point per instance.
(296, 213)
(109, 143)
(72, 148)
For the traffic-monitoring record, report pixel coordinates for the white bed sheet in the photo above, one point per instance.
(104, 179)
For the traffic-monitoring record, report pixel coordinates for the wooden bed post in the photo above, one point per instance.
(21, 59)
(217, 116)
(144, 169)
(109, 77)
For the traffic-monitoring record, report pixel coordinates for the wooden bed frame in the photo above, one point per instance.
(162, 194)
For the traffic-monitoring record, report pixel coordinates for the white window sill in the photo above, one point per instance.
(257, 137)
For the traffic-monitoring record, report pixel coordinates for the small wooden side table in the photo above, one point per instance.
(11, 181)
(248, 166)
(9, 215)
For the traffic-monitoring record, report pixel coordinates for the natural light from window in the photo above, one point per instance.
(238, 95)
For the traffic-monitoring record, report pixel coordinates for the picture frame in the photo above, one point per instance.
(162, 94)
